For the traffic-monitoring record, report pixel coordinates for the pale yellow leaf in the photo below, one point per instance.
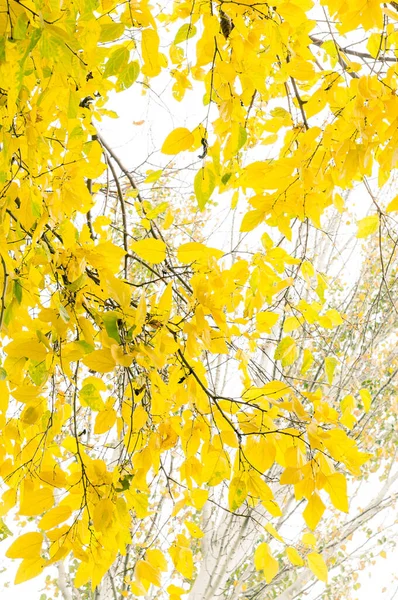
(318, 566)
(366, 399)
(294, 557)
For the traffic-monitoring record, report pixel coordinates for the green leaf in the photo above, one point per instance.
(18, 291)
(242, 139)
(286, 351)
(204, 184)
(117, 62)
(21, 27)
(111, 32)
(110, 321)
(129, 75)
(90, 396)
(185, 32)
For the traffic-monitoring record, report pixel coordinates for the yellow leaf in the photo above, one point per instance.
(182, 558)
(367, 226)
(330, 366)
(252, 219)
(145, 571)
(83, 574)
(294, 557)
(264, 561)
(237, 492)
(103, 514)
(286, 351)
(104, 421)
(393, 205)
(178, 140)
(193, 529)
(199, 498)
(29, 568)
(317, 565)
(366, 399)
(308, 539)
(54, 517)
(156, 558)
(36, 501)
(336, 487)
(266, 320)
(313, 511)
(272, 531)
(308, 359)
(27, 545)
(150, 250)
(196, 252)
(204, 184)
(100, 360)
(275, 389)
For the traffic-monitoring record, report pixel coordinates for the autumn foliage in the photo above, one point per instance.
(116, 315)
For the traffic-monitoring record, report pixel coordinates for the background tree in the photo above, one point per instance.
(127, 433)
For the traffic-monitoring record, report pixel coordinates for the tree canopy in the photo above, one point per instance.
(150, 378)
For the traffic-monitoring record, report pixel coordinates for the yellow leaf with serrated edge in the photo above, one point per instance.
(264, 561)
(318, 566)
(308, 539)
(150, 250)
(366, 399)
(313, 511)
(193, 529)
(294, 557)
(54, 517)
(336, 487)
(272, 531)
(178, 140)
(29, 568)
(27, 545)
(367, 226)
